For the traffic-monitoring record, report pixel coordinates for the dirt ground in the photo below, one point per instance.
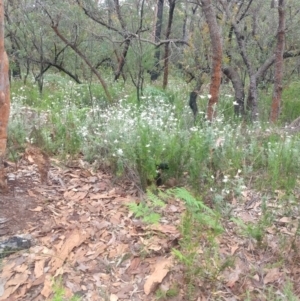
(84, 235)
(82, 232)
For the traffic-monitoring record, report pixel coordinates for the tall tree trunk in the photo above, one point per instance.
(4, 99)
(276, 99)
(167, 49)
(216, 44)
(155, 72)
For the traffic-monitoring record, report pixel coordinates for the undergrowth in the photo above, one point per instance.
(72, 120)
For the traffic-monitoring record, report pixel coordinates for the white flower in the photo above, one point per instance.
(202, 96)
(147, 145)
(235, 103)
(225, 180)
(120, 152)
(209, 96)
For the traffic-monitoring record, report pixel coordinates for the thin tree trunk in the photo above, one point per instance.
(238, 87)
(155, 72)
(122, 59)
(4, 99)
(216, 44)
(277, 92)
(253, 97)
(167, 49)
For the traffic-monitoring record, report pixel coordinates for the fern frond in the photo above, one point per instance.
(157, 202)
(152, 218)
(191, 201)
(138, 210)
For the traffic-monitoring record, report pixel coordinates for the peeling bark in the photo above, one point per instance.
(4, 100)
(216, 44)
(277, 92)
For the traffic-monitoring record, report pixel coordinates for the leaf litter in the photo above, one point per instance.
(85, 235)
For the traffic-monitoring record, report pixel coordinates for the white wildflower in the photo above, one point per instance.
(120, 152)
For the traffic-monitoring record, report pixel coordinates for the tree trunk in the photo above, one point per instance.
(4, 99)
(253, 97)
(238, 90)
(155, 72)
(167, 50)
(122, 59)
(276, 99)
(216, 44)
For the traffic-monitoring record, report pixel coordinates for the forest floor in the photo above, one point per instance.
(84, 235)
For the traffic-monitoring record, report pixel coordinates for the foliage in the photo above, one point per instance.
(200, 226)
(146, 210)
(133, 137)
(164, 295)
(59, 292)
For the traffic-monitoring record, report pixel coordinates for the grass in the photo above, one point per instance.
(59, 292)
(218, 162)
(137, 136)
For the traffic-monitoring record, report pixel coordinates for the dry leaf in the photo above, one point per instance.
(272, 275)
(233, 277)
(160, 271)
(285, 220)
(37, 209)
(31, 193)
(47, 289)
(113, 297)
(168, 229)
(39, 268)
(233, 249)
(75, 239)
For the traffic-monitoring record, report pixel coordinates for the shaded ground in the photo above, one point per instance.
(84, 233)
(17, 205)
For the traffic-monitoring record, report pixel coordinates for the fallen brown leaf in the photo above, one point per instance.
(161, 269)
(272, 275)
(75, 239)
(37, 209)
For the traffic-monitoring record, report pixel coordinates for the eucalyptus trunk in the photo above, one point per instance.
(277, 92)
(159, 19)
(216, 45)
(167, 46)
(4, 99)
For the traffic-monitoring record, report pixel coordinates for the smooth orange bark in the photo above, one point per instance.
(216, 44)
